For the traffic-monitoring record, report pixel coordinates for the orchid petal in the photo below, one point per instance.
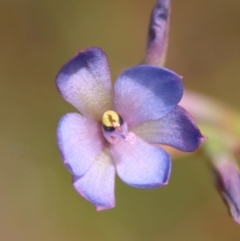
(97, 185)
(146, 92)
(85, 83)
(176, 129)
(140, 164)
(79, 141)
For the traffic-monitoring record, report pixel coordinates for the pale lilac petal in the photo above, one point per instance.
(85, 83)
(97, 185)
(79, 141)
(145, 93)
(140, 164)
(176, 129)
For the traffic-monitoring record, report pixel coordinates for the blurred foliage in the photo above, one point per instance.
(36, 39)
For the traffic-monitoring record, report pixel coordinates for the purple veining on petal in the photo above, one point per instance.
(79, 141)
(145, 93)
(85, 82)
(176, 129)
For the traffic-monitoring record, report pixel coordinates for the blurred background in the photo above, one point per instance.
(37, 200)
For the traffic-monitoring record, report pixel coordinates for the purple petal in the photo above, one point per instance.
(97, 185)
(85, 83)
(146, 93)
(79, 141)
(140, 164)
(177, 129)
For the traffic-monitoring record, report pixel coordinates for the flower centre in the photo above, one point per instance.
(115, 128)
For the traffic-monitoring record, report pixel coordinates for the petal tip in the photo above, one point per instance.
(99, 205)
(104, 208)
(203, 138)
(180, 77)
(77, 60)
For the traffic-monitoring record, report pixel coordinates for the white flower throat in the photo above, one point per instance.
(115, 128)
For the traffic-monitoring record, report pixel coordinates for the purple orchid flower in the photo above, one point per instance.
(119, 126)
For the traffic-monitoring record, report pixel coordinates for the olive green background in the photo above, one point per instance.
(37, 201)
